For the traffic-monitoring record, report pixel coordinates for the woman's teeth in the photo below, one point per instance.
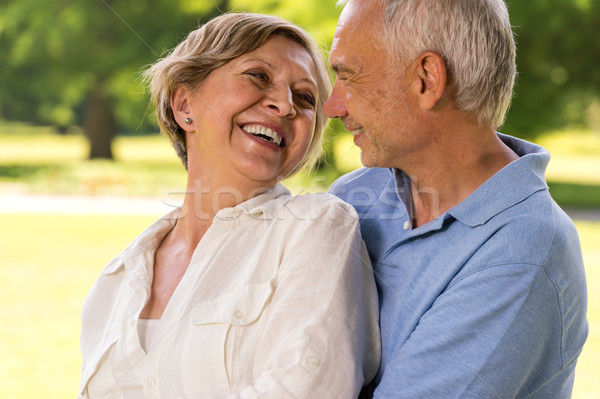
(264, 133)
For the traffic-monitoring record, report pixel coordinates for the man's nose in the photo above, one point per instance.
(335, 106)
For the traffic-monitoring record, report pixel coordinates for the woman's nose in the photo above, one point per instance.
(335, 106)
(281, 101)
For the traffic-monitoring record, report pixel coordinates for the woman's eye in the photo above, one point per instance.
(263, 77)
(307, 99)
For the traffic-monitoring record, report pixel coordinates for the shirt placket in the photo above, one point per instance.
(141, 367)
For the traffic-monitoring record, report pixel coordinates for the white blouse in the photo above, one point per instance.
(279, 301)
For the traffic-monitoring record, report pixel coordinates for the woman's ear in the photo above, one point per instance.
(432, 73)
(180, 105)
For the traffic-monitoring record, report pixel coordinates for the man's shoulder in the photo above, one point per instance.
(536, 222)
(538, 212)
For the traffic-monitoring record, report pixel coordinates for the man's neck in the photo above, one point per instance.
(453, 169)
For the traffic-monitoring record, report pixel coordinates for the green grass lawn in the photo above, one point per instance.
(50, 261)
(41, 162)
(587, 383)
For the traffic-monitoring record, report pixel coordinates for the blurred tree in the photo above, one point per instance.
(558, 58)
(68, 61)
(318, 17)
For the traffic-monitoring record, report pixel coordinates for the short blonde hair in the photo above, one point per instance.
(213, 45)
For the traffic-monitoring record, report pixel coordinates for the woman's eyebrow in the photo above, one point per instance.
(259, 60)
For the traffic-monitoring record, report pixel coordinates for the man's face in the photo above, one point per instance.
(371, 94)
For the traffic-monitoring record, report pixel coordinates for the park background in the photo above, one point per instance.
(83, 170)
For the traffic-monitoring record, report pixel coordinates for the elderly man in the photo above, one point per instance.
(481, 281)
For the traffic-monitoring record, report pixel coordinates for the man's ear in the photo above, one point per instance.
(180, 104)
(432, 74)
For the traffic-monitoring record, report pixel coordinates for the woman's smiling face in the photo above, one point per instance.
(254, 117)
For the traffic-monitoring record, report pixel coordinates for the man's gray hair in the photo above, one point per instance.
(475, 39)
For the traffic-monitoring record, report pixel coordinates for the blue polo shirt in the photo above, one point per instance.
(486, 301)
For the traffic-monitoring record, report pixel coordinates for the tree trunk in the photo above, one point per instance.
(99, 122)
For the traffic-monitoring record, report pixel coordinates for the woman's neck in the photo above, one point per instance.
(205, 196)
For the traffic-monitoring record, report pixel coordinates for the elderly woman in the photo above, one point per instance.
(246, 291)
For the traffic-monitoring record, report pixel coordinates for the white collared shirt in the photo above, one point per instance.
(278, 301)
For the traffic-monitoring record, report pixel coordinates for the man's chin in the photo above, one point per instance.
(367, 160)
(367, 157)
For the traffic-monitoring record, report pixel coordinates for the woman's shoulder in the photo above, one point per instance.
(320, 205)
(149, 239)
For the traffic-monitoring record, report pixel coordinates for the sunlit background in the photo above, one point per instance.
(83, 170)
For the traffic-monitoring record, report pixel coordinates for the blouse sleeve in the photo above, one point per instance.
(322, 335)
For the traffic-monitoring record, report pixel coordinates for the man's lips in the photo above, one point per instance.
(356, 131)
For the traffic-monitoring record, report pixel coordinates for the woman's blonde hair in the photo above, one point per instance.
(213, 45)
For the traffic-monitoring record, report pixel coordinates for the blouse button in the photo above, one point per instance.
(313, 360)
(406, 225)
(150, 381)
(238, 314)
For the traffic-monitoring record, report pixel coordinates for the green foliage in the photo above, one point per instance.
(57, 50)
(316, 16)
(54, 51)
(557, 57)
(575, 195)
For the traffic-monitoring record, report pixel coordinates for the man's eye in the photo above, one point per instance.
(306, 99)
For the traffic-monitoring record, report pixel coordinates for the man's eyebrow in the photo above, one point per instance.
(339, 68)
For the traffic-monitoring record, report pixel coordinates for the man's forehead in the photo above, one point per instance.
(362, 16)
(350, 15)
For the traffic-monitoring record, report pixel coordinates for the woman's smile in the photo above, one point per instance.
(268, 133)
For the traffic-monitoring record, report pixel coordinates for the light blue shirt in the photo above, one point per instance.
(486, 301)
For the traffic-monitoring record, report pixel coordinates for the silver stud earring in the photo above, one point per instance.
(187, 121)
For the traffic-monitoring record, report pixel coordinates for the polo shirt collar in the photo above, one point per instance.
(509, 186)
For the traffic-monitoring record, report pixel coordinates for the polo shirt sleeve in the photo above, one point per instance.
(485, 336)
(322, 335)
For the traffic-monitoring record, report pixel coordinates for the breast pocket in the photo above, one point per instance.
(225, 331)
(239, 308)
